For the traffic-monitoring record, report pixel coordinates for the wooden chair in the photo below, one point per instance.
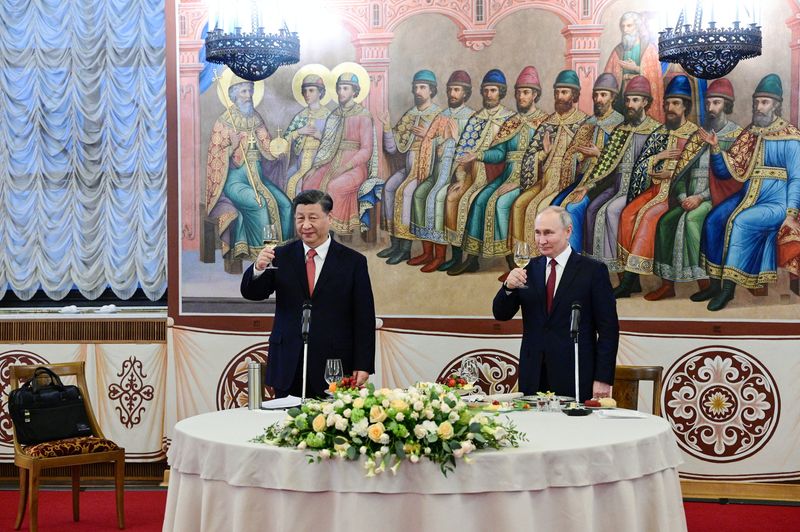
(72, 452)
(626, 386)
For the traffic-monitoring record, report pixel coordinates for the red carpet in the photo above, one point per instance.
(144, 512)
(715, 517)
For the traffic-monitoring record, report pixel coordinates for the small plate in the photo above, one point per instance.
(577, 411)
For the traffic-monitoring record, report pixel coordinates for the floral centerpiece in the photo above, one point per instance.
(389, 426)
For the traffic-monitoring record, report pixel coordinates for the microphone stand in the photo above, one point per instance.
(574, 326)
(304, 331)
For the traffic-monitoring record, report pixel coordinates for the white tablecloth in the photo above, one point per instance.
(573, 473)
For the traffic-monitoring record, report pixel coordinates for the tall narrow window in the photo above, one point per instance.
(376, 15)
(83, 183)
(479, 14)
(586, 8)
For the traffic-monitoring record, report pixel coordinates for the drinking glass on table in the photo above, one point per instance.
(270, 239)
(333, 370)
(522, 256)
(469, 371)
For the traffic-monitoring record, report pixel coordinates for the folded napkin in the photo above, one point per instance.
(620, 414)
(107, 309)
(70, 309)
(279, 404)
(504, 396)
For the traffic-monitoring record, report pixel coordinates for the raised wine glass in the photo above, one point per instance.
(522, 256)
(333, 370)
(270, 239)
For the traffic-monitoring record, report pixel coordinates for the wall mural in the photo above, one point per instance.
(442, 130)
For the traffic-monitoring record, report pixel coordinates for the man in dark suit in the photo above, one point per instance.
(557, 279)
(334, 280)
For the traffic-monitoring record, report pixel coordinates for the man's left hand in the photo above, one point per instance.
(360, 377)
(601, 389)
(792, 223)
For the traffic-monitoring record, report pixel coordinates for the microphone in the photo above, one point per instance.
(575, 320)
(306, 320)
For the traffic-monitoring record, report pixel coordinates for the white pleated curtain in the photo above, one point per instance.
(82, 147)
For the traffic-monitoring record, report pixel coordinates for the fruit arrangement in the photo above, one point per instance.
(347, 383)
(603, 402)
(454, 381)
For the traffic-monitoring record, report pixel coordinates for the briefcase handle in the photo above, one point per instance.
(55, 380)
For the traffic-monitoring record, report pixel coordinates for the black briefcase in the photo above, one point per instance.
(47, 411)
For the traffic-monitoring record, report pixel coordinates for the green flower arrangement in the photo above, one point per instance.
(390, 426)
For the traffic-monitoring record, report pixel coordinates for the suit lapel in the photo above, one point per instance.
(570, 270)
(298, 258)
(329, 267)
(536, 281)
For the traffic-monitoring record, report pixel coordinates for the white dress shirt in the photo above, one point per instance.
(561, 263)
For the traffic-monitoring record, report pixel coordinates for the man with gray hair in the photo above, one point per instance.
(239, 196)
(636, 55)
(547, 290)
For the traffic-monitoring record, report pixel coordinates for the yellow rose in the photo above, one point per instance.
(399, 405)
(445, 430)
(374, 432)
(376, 414)
(319, 423)
(358, 402)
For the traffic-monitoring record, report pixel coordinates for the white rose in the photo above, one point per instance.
(384, 449)
(385, 403)
(414, 416)
(361, 427)
(363, 392)
(325, 453)
(445, 408)
(429, 413)
(302, 445)
(338, 404)
(418, 405)
(347, 413)
(358, 402)
(341, 423)
(427, 450)
(500, 433)
(385, 438)
(330, 420)
(435, 403)
(420, 432)
(327, 409)
(347, 399)
(400, 417)
(294, 432)
(362, 450)
(453, 417)
(458, 453)
(414, 458)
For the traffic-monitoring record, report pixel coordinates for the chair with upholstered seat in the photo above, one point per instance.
(71, 452)
(626, 386)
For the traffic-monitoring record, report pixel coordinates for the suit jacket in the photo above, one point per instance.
(546, 338)
(342, 314)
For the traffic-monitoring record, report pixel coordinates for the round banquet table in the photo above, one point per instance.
(573, 473)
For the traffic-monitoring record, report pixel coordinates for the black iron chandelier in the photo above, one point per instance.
(708, 53)
(253, 55)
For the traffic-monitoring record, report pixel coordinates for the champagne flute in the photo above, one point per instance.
(333, 370)
(469, 371)
(270, 239)
(522, 256)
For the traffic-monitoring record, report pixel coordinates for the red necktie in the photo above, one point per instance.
(551, 285)
(311, 269)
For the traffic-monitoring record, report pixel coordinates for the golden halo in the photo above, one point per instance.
(321, 71)
(224, 83)
(359, 71)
